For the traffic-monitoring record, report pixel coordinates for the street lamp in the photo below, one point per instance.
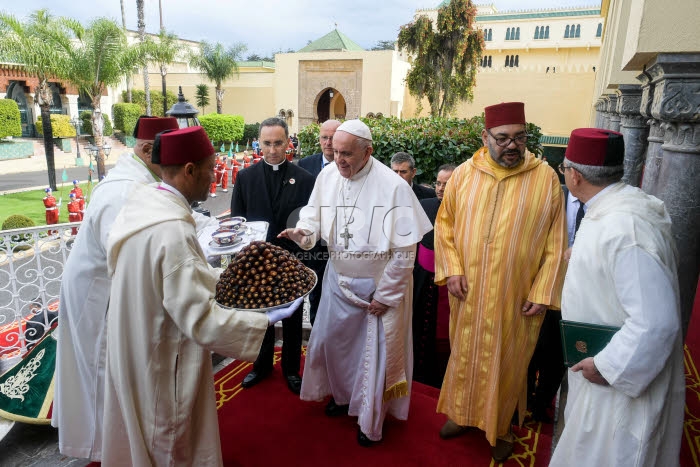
(185, 112)
(78, 160)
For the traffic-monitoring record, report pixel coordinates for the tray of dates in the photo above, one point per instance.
(262, 277)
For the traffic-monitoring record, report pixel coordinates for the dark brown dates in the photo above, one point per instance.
(263, 275)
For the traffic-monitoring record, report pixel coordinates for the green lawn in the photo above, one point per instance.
(30, 203)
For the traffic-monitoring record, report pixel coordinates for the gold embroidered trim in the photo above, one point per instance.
(396, 391)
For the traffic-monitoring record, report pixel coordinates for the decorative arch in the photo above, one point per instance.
(16, 92)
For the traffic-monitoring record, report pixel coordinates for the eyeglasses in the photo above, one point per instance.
(503, 142)
(562, 168)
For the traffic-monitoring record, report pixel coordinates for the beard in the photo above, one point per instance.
(508, 158)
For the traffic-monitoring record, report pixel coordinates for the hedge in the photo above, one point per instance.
(125, 117)
(10, 122)
(251, 130)
(222, 128)
(139, 97)
(60, 126)
(431, 141)
(86, 119)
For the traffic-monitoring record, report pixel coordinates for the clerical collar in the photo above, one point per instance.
(275, 167)
(165, 187)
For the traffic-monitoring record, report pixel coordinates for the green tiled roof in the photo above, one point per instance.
(551, 140)
(334, 40)
(249, 64)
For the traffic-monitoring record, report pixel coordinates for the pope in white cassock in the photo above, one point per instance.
(360, 349)
(625, 404)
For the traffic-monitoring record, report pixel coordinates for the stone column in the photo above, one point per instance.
(655, 139)
(72, 105)
(605, 115)
(676, 79)
(614, 121)
(599, 115)
(634, 130)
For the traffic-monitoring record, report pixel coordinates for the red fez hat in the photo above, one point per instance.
(177, 147)
(148, 127)
(505, 113)
(595, 146)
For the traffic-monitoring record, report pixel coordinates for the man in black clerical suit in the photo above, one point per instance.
(274, 190)
(546, 370)
(405, 166)
(431, 345)
(314, 164)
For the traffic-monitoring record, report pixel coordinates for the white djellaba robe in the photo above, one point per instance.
(359, 359)
(622, 272)
(79, 385)
(160, 407)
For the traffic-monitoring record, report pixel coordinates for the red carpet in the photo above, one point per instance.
(268, 425)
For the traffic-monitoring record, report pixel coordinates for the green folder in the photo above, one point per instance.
(583, 340)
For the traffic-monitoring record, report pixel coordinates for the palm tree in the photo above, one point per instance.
(163, 53)
(218, 64)
(201, 96)
(128, 77)
(24, 43)
(100, 57)
(142, 36)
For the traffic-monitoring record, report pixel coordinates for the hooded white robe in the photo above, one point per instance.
(160, 407)
(362, 360)
(79, 386)
(622, 272)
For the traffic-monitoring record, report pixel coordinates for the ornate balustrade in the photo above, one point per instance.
(31, 268)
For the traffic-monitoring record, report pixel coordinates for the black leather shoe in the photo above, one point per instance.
(253, 378)
(335, 410)
(294, 383)
(363, 440)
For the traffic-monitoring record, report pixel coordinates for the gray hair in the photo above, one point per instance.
(401, 157)
(447, 167)
(598, 175)
(275, 121)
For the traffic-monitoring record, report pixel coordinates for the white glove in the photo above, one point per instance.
(279, 314)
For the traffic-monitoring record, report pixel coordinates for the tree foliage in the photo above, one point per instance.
(431, 141)
(384, 45)
(125, 117)
(138, 96)
(60, 126)
(201, 96)
(222, 128)
(446, 56)
(218, 64)
(26, 43)
(100, 57)
(163, 52)
(10, 120)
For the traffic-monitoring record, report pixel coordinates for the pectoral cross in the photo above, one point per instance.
(347, 236)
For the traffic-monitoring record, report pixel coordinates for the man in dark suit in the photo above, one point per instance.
(273, 191)
(547, 369)
(405, 166)
(314, 164)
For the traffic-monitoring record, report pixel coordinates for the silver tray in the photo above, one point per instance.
(266, 309)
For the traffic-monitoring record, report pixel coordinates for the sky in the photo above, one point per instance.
(265, 26)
